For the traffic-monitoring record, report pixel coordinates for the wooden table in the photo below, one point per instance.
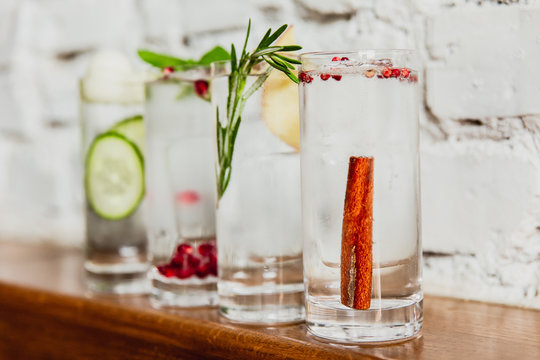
(46, 314)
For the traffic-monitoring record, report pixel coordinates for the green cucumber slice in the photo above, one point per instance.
(133, 129)
(114, 176)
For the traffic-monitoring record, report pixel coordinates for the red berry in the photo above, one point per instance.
(336, 58)
(212, 269)
(304, 77)
(325, 77)
(192, 261)
(344, 58)
(206, 249)
(336, 77)
(184, 249)
(167, 71)
(166, 271)
(396, 72)
(177, 261)
(202, 271)
(405, 72)
(201, 87)
(184, 273)
(187, 197)
(213, 259)
(386, 72)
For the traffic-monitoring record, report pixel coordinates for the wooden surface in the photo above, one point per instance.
(46, 314)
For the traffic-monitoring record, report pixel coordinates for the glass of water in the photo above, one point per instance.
(361, 195)
(111, 106)
(258, 216)
(181, 188)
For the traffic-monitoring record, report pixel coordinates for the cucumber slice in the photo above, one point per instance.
(114, 176)
(133, 129)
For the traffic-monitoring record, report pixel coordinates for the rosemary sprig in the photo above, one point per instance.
(238, 94)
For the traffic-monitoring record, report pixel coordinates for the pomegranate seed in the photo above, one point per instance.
(396, 72)
(187, 197)
(336, 77)
(212, 269)
(184, 273)
(177, 261)
(166, 271)
(167, 71)
(184, 249)
(213, 258)
(202, 271)
(386, 72)
(370, 73)
(192, 261)
(405, 72)
(325, 77)
(206, 249)
(336, 58)
(304, 77)
(201, 87)
(344, 58)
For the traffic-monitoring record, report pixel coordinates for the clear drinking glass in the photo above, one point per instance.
(258, 219)
(361, 195)
(113, 147)
(181, 188)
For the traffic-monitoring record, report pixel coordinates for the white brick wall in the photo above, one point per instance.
(480, 122)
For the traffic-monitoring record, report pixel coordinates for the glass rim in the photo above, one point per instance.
(328, 53)
(324, 56)
(354, 58)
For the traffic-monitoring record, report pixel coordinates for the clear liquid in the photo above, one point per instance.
(180, 184)
(180, 158)
(116, 250)
(259, 224)
(269, 290)
(363, 117)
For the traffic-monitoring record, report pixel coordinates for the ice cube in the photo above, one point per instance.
(110, 78)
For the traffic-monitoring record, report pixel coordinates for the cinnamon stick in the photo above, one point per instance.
(356, 240)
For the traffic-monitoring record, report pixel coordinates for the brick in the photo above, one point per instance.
(44, 188)
(472, 194)
(57, 25)
(212, 18)
(337, 7)
(9, 113)
(484, 62)
(7, 25)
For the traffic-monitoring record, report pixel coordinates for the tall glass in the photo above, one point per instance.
(258, 219)
(361, 195)
(113, 148)
(181, 188)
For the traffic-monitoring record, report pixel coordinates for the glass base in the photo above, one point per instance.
(117, 279)
(262, 305)
(170, 292)
(390, 320)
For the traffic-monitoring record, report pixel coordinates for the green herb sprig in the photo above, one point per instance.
(238, 94)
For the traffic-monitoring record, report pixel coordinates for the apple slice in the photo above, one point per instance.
(280, 101)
